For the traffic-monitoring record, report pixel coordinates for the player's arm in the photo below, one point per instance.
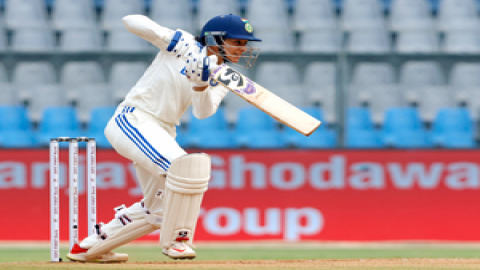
(180, 43)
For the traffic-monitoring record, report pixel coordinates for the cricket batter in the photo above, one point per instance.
(143, 130)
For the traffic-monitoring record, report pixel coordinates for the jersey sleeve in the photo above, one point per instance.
(205, 103)
(147, 29)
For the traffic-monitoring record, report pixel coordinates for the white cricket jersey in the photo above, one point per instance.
(164, 91)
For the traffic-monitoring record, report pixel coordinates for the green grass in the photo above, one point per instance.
(18, 257)
(152, 253)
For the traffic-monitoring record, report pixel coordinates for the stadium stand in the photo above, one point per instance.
(421, 56)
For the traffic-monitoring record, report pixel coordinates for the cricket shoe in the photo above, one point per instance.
(79, 254)
(179, 250)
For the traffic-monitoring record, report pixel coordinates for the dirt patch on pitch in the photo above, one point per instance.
(263, 264)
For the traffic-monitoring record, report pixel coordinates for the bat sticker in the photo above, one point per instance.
(234, 80)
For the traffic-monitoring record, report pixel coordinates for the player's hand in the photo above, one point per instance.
(198, 69)
(183, 44)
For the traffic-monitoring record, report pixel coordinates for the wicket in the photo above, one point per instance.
(72, 191)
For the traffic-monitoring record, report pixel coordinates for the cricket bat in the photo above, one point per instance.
(252, 92)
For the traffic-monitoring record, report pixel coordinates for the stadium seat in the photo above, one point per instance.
(115, 10)
(90, 96)
(433, 98)
(453, 128)
(207, 9)
(23, 14)
(259, 139)
(33, 40)
(421, 73)
(409, 15)
(465, 75)
(81, 72)
(383, 97)
(323, 96)
(8, 94)
(15, 128)
(371, 41)
(173, 14)
(417, 41)
(462, 42)
(407, 139)
(124, 75)
(34, 73)
(213, 139)
(233, 104)
(320, 73)
(362, 15)
(17, 139)
(358, 118)
(99, 118)
(321, 138)
(73, 14)
(45, 96)
(3, 37)
(314, 15)
(326, 41)
(458, 15)
(362, 138)
(403, 129)
(275, 40)
(58, 122)
(273, 73)
(13, 118)
(267, 15)
(81, 40)
(3, 73)
(250, 119)
(401, 118)
(370, 73)
(121, 40)
(214, 122)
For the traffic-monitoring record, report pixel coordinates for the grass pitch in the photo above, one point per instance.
(269, 256)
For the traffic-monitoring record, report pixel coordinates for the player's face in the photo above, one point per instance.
(234, 48)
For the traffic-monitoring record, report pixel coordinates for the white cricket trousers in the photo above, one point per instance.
(140, 137)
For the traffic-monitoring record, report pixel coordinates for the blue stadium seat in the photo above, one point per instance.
(214, 122)
(321, 138)
(182, 138)
(367, 138)
(450, 126)
(434, 4)
(260, 139)
(15, 128)
(58, 122)
(17, 139)
(403, 129)
(252, 119)
(98, 121)
(360, 132)
(13, 118)
(211, 139)
(358, 118)
(401, 119)
(456, 139)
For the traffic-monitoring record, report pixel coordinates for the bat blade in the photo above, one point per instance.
(265, 100)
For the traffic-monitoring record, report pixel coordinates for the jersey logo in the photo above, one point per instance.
(183, 71)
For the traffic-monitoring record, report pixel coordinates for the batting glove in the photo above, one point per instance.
(198, 69)
(183, 44)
